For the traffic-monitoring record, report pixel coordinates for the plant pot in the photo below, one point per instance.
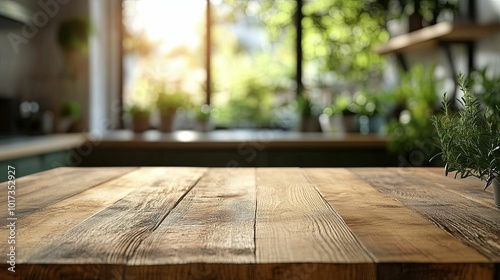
(310, 124)
(203, 126)
(496, 193)
(350, 123)
(64, 124)
(140, 123)
(167, 121)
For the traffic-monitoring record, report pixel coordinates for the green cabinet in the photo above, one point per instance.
(33, 164)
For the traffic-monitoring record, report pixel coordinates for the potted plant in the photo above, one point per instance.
(167, 104)
(309, 118)
(202, 114)
(69, 113)
(345, 106)
(470, 139)
(139, 117)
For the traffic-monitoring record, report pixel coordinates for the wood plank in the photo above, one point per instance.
(429, 36)
(54, 220)
(295, 225)
(210, 232)
(112, 235)
(32, 194)
(470, 188)
(393, 239)
(402, 42)
(473, 223)
(214, 223)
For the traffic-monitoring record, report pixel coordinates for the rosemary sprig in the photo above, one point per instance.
(469, 139)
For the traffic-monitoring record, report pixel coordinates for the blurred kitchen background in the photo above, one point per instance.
(355, 78)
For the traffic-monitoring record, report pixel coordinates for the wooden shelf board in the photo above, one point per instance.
(429, 37)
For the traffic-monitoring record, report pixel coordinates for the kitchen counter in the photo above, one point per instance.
(244, 148)
(234, 138)
(256, 148)
(251, 223)
(25, 146)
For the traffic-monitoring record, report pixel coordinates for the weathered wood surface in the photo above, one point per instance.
(252, 223)
(395, 234)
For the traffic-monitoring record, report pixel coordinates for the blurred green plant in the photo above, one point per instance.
(71, 109)
(136, 109)
(343, 104)
(485, 88)
(250, 104)
(168, 103)
(202, 113)
(416, 101)
(73, 34)
(339, 36)
(430, 10)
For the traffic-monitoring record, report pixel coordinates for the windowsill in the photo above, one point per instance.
(234, 138)
(18, 147)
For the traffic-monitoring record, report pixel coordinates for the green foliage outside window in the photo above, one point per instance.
(416, 101)
(339, 36)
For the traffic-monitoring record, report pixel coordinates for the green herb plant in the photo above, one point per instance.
(138, 110)
(469, 139)
(168, 103)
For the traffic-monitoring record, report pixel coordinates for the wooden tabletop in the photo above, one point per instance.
(250, 223)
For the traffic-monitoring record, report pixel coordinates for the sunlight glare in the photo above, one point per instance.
(174, 23)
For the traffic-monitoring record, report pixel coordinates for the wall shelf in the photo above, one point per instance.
(440, 35)
(430, 37)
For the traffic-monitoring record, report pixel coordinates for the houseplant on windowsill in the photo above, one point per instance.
(470, 140)
(202, 115)
(309, 121)
(167, 104)
(140, 116)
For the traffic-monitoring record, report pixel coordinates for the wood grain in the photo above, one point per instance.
(468, 221)
(214, 223)
(470, 188)
(247, 223)
(295, 224)
(112, 235)
(32, 194)
(395, 234)
(56, 219)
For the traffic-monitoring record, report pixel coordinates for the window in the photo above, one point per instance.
(163, 45)
(251, 69)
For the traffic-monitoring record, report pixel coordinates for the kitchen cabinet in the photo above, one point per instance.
(38, 153)
(33, 164)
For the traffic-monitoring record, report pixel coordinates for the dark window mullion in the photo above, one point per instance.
(298, 28)
(208, 53)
